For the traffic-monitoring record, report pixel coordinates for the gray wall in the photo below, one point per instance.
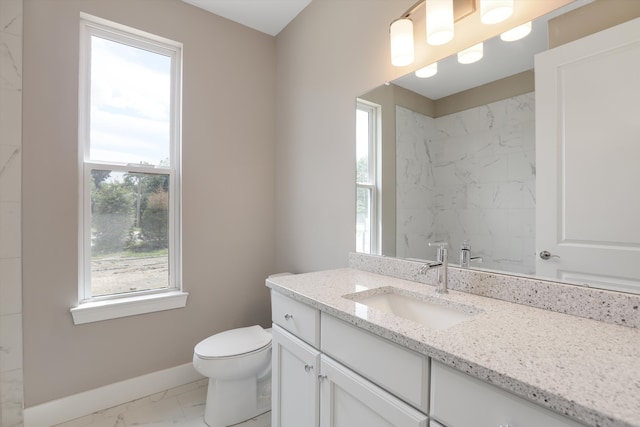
(228, 192)
(334, 51)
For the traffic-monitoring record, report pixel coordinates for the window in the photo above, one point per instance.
(129, 151)
(367, 240)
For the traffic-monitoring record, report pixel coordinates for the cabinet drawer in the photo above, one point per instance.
(400, 371)
(459, 400)
(348, 400)
(298, 318)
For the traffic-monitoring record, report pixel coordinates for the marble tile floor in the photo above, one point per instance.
(181, 406)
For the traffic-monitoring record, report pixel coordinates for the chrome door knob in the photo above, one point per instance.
(547, 255)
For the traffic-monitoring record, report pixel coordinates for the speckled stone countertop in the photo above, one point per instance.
(585, 369)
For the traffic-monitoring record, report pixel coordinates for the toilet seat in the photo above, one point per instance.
(234, 356)
(233, 343)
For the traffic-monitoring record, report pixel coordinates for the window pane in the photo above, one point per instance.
(129, 232)
(130, 104)
(363, 220)
(362, 146)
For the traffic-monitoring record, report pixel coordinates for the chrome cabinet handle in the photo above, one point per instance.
(308, 368)
(288, 316)
(322, 377)
(546, 255)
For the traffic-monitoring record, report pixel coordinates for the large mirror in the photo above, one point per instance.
(457, 163)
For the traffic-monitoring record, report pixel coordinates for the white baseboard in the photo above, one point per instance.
(82, 404)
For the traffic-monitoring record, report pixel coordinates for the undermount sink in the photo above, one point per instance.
(415, 307)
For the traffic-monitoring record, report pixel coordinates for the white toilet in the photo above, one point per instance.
(238, 365)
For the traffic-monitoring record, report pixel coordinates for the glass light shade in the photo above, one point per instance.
(439, 21)
(401, 33)
(428, 71)
(494, 11)
(471, 55)
(516, 33)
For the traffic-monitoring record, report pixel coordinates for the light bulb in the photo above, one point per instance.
(401, 33)
(428, 71)
(439, 21)
(494, 11)
(471, 55)
(516, 33)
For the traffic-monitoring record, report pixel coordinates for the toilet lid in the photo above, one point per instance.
(233, 342)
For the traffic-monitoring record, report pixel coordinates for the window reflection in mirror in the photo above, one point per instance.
(367, 143)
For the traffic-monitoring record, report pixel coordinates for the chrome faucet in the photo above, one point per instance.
(441, 261)
(465, 255)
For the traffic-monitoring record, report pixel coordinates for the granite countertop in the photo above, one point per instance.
(585, 369)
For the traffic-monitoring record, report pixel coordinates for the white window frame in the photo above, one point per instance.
(91, 309)
(373, 186)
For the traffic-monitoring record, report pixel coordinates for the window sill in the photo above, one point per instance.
(123, 307)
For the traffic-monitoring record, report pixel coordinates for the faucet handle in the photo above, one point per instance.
(442, 250)
(440, 245)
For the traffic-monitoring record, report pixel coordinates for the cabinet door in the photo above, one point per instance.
(348, 400)
(295, 395)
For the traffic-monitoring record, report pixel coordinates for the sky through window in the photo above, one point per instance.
(130, 104)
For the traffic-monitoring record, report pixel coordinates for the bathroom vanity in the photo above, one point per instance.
(342, 358)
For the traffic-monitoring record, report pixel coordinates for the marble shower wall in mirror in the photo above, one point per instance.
(473, 174)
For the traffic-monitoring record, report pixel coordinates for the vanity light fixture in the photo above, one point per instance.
(428, 71)
(516, 33)
(471, 55)
(439, 21)
(494, 11)
(441, 16)
(401, 32)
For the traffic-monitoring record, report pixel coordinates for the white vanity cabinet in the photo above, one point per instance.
(341, 375)
(311, 389)
(295, 399)
(459, 400)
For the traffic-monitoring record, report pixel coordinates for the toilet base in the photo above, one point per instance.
(232, 402)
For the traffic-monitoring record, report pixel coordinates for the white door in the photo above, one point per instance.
(348, 400)
(295, 396)
(588, 159)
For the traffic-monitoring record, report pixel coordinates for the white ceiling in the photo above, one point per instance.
(267, 16)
